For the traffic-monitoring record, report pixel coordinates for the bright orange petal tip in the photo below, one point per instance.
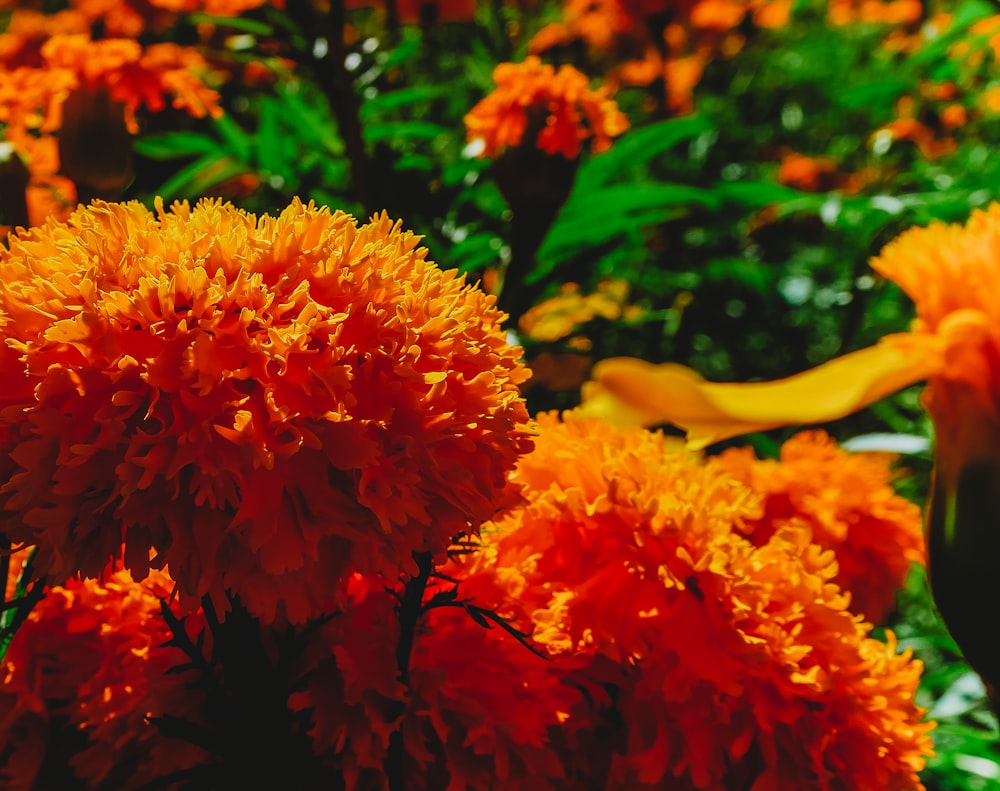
(710, 412)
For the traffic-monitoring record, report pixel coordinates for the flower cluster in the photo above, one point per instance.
(483, 724)
(61, 81)
(557, 317)
(687, 641)
(263, 404)
(536, 105)
(640, 42)
(724, 662)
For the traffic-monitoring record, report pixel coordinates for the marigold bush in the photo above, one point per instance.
(308, 423)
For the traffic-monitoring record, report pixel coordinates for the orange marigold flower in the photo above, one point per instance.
(953, 116)
(682, 74)
(596, 22)
(82, 679)
(135, 75)
(806, 173)
(740, 664)
(535, 105)
(264, 403)
(212, 7)
(28, 30)
(772, 13)
(848, 502)
(718, 15)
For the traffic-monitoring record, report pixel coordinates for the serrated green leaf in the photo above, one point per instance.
(311, 121)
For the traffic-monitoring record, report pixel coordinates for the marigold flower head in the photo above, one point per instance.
(740, 663)
(82, 679)
(875, 12)
(264, 403)
(135, 75)
(849, 504)
(535, 105)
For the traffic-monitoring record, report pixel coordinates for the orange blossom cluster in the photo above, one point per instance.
(638, 42)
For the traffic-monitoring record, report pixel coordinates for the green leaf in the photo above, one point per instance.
(394, 100)
(238, 142)
(414, 162)
(636, 147)
(310, 121)
(172, 145)
(877, 93)
(194, 179)
(402, 130)
(252, 26)
(756, 194)
(474, 252)
(270, 140)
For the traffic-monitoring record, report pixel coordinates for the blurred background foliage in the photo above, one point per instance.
(728, 229)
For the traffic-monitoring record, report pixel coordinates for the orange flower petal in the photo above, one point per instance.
(711, 412)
